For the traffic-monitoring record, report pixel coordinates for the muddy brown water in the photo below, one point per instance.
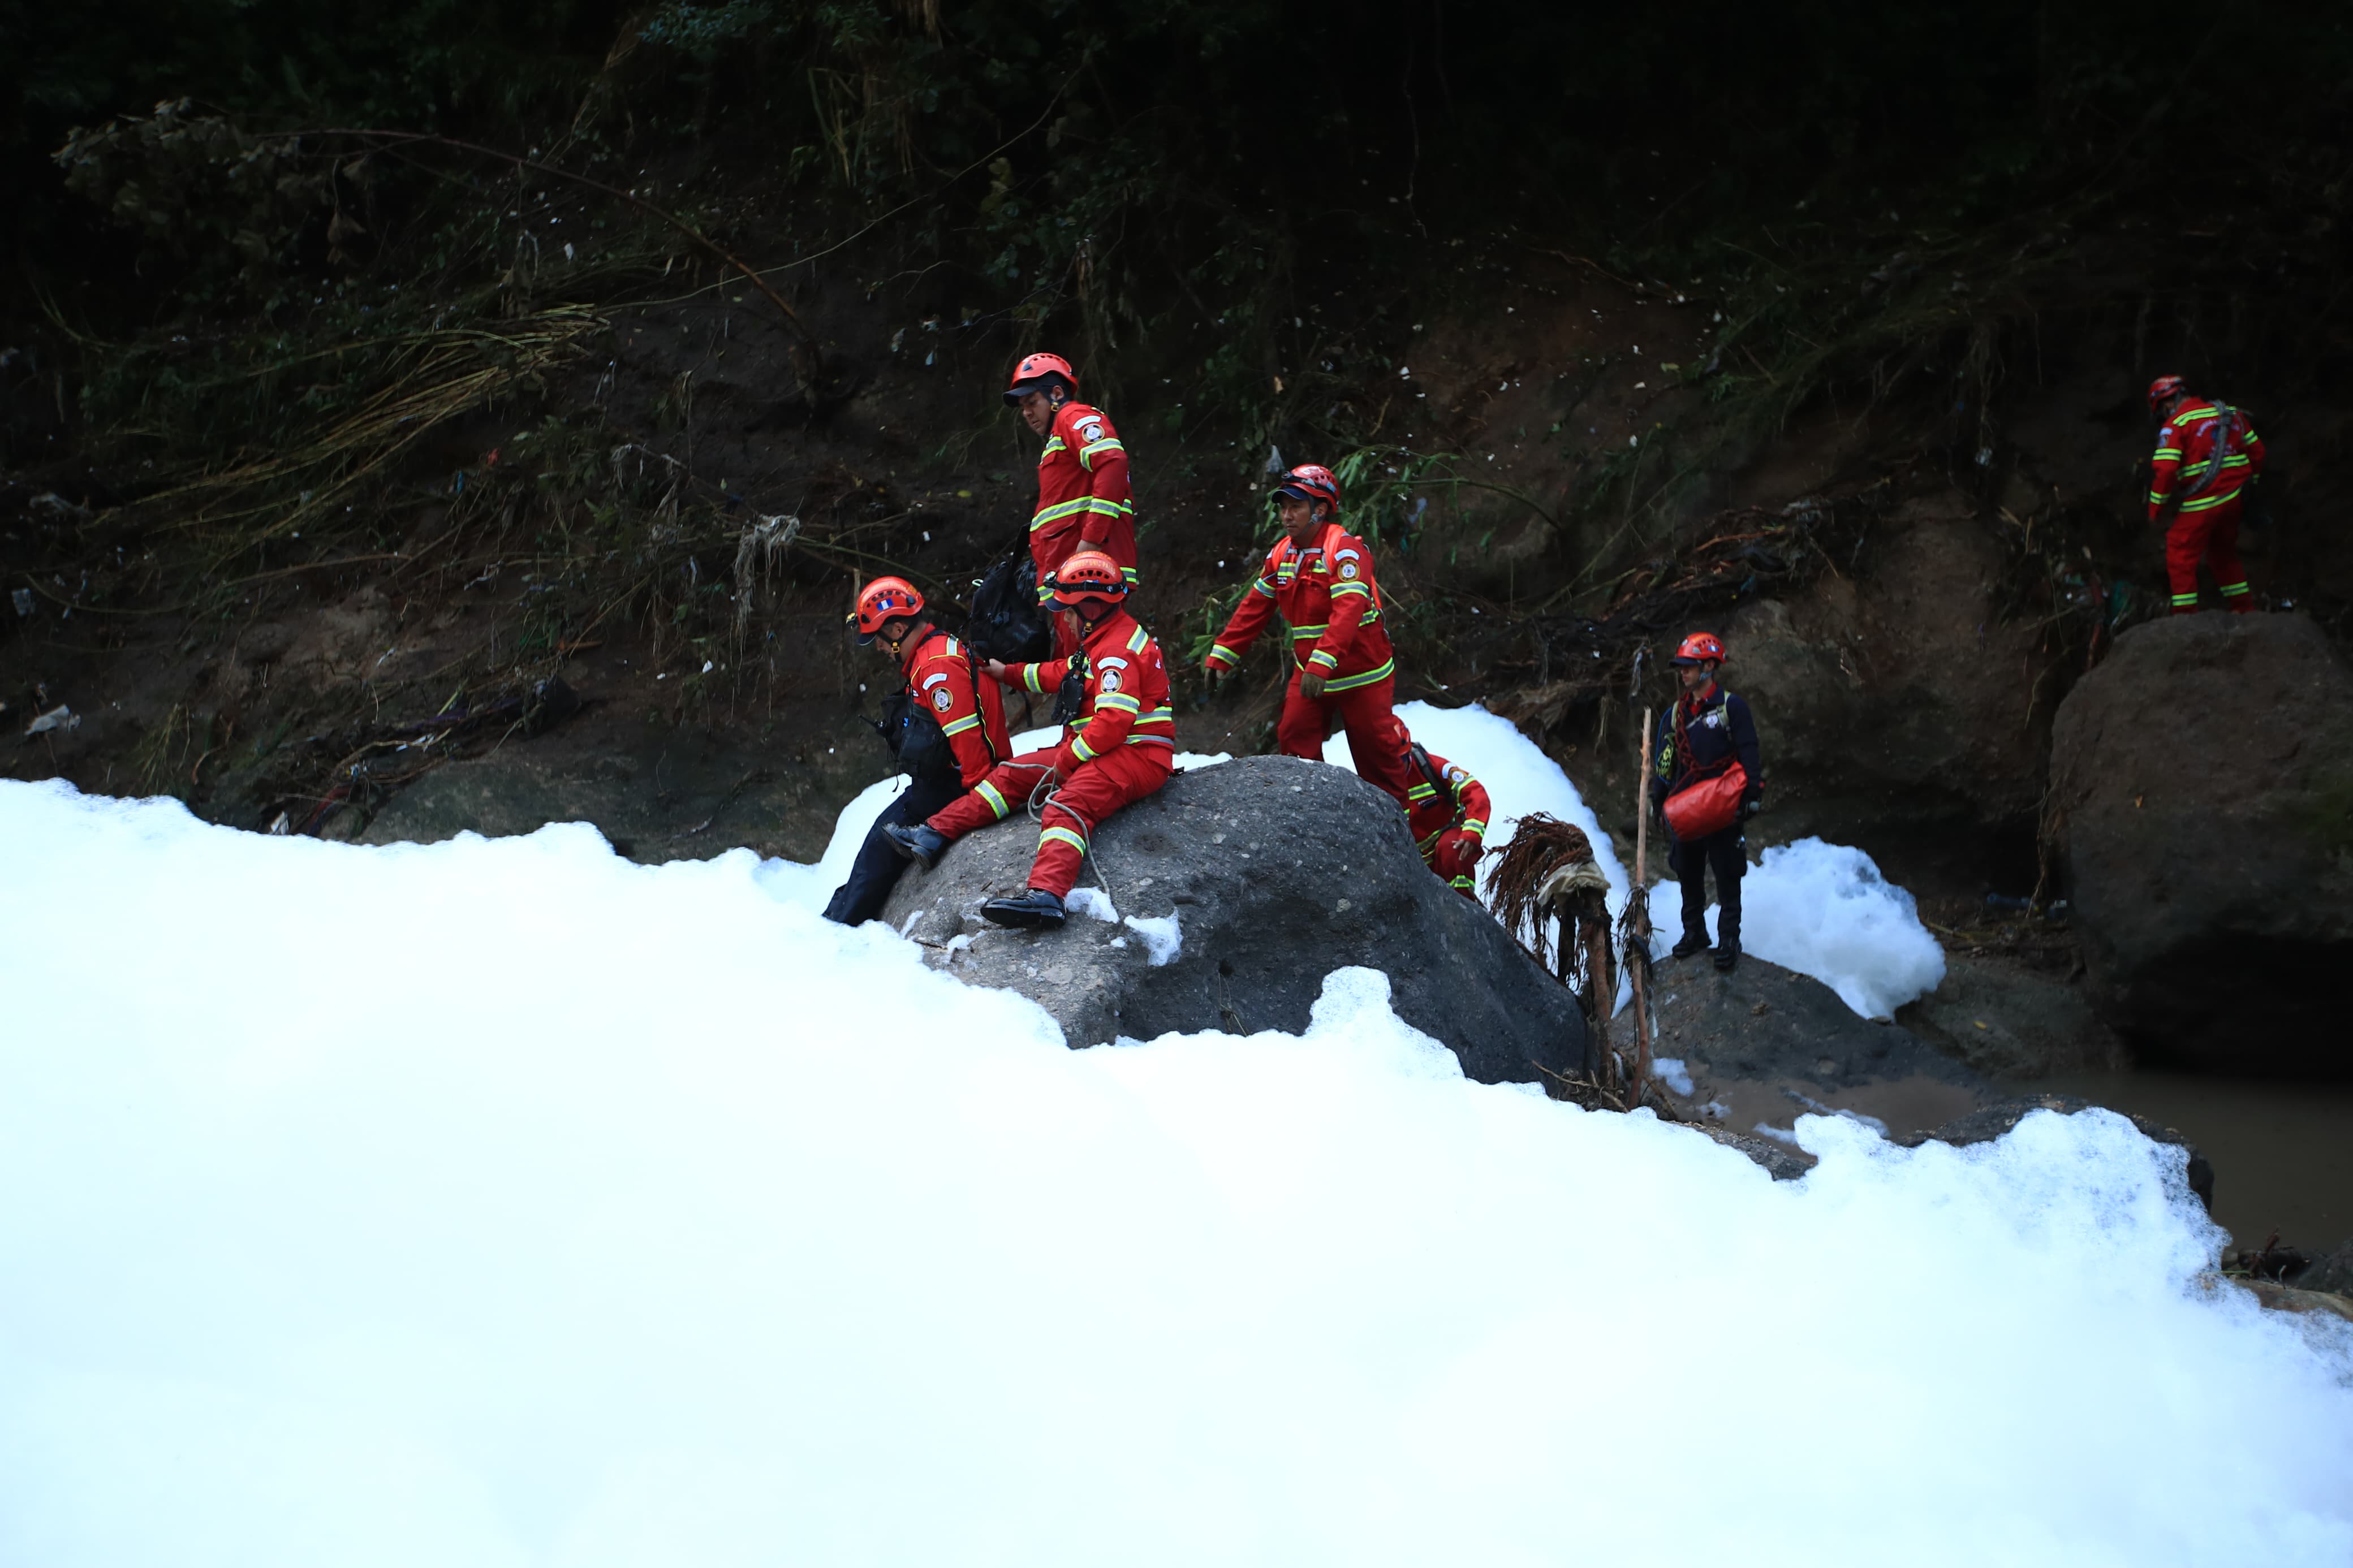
(2282, 1153)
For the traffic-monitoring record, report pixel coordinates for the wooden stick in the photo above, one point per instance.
(1638, 918)
(1601, 985)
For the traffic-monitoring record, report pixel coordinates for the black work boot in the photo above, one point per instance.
(1726, 956)
(1693, 941)
(1035, 908)
(920, 843)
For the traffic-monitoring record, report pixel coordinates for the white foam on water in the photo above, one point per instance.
(1671, 1071)
(503, 1203)
(1824, 910)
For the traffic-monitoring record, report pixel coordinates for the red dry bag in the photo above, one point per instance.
(1708, 806)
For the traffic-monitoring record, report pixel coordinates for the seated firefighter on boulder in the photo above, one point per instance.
(1706, 780)
(1446, 812)
(1319, 578)
(1119, 749)
(945, 728)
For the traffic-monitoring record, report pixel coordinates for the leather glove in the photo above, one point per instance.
(1311, 684)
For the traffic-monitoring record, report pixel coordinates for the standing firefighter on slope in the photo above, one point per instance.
(946, 732)
(1083, 500)
(1119, 749)
(1446, 812)
(1319, 578)
(2207, 455)
(1706, 777)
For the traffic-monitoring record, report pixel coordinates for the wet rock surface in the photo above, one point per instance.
(2008, 1022)
(1764, 1046)
(1277, 871)
(2202, 793)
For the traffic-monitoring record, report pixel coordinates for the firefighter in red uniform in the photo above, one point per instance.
(1446, 812)
(946, 732)
(1704, 735)
(1319, 576)
(1119, 749)
(1083, 500)
(2207, 455)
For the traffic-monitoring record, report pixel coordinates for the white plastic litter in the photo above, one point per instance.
(531, 1207)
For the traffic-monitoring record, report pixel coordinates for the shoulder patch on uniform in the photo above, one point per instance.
(934, 678)
(1347, 569)
(1455, 775)
(1092, 429)
(1110, 682)
(1113, 662)
(942, 699)
(1346, 555)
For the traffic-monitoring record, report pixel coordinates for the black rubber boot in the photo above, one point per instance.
(919, 843)
(1726, 956)
(1693, 941)
(1037, 908)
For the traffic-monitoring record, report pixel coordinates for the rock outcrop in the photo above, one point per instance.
(2201, 791)
(1274, 871)
(2008, 1022)
(1905, 701)
(1764, 1044)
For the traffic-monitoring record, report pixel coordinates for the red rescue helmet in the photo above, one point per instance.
(1089, 575)
(2165, 389)
(884, 599)
(1030, 376)
(1312, 482)
(1700, 647)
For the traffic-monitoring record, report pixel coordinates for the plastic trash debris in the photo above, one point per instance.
(57, 718)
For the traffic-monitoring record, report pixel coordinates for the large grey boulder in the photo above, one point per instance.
(1277, 871)
(2201, 790)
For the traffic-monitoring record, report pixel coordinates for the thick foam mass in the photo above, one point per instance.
(504, 1203)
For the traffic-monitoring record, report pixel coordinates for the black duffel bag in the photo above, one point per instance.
(1007, 622)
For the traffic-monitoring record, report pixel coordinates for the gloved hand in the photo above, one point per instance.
(1457, 855)
(1215, 669)
(1750, 807)
(1311, 683)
